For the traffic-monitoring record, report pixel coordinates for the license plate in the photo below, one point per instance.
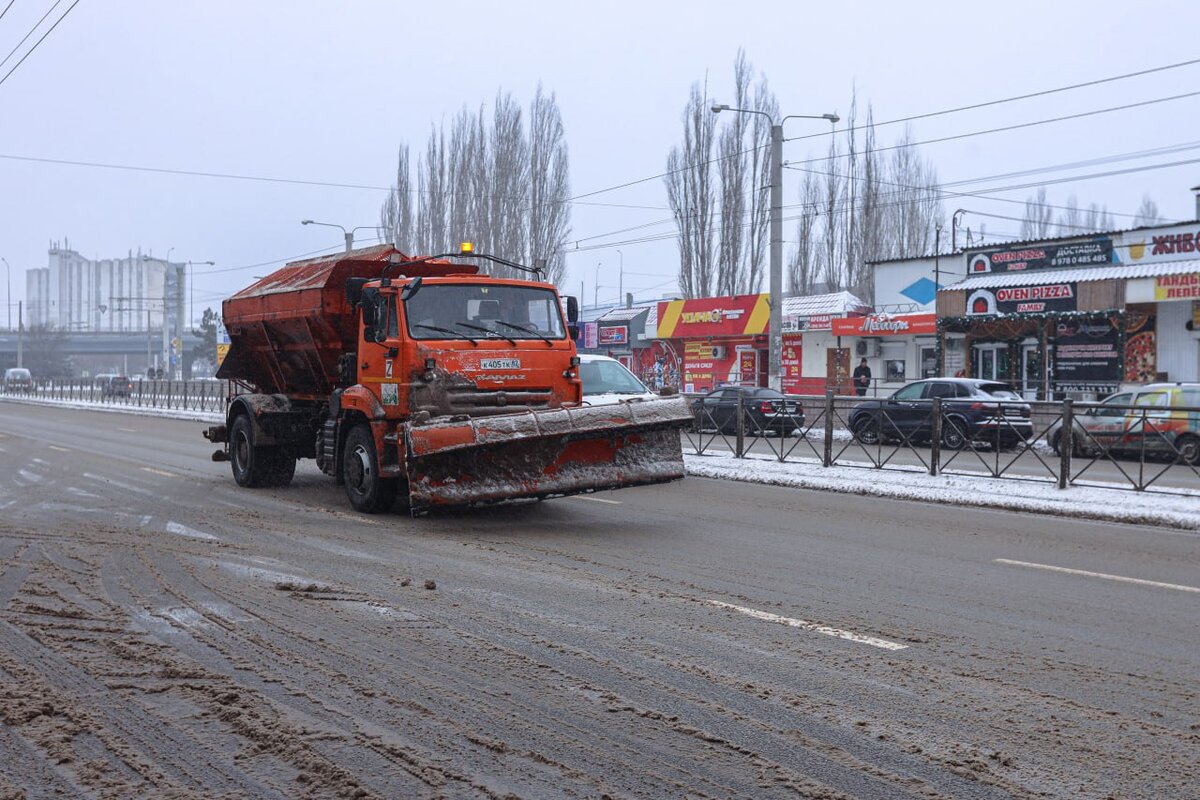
(500, 363)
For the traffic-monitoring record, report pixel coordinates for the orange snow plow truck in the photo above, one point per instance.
(424, 380)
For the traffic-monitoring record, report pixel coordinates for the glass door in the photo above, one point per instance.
(1031, 370)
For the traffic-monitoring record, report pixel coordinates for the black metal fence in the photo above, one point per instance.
(194, 395)
(1143, 448)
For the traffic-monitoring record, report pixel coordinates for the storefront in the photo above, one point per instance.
(717, 340)
(813, 359)
(898, 348)
(1072, 318)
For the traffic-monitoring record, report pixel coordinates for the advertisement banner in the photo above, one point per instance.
(880, 325)
(614, 334)
(591, 338)
(817, 322)
(1172, 244)
(1087, 357)
(790, 362)
(1023, 299)
(707, 365)
(1141, 349)
(1048, 256)
(1168, 288)
(713, 316)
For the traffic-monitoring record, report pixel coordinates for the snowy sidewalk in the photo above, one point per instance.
(1174, 510)
(215, 417)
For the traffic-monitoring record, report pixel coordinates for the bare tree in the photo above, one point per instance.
(549, 185)
(731, 175)
(1038, 217)
(802, 265)
(1097, 218)
(485, 179)
(396, 218)
(1070, 219)
(1147, 213)
(690, 196)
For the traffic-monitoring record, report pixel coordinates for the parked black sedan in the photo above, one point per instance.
(766, 410)
(973, 410)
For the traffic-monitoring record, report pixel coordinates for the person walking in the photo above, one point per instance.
(862, 378)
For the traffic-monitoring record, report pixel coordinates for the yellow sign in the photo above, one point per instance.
(222, 351)
(1177, 287)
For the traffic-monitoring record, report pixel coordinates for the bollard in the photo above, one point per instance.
(827, 458)
(935, 437)
(740, 444)
(1066, 444)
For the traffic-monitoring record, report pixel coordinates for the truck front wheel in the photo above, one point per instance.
(366, 490)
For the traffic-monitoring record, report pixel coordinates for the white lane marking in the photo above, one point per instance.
(81, 493)
(32, 477)
(59, 449)
(129, 487)
(811, 626)
(1141, 582)
(595, 499)
(162, 472)
(127, 430)
(191, 533)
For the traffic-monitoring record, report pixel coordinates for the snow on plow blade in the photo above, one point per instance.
(544, 453)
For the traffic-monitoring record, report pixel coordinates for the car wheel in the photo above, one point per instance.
(866, 430)
(1189, 449)
(954, 435)
(366, 490)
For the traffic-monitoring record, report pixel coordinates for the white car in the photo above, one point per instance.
(606, 381)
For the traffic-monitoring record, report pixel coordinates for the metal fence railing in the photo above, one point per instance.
(1067, 443)
(193, 395)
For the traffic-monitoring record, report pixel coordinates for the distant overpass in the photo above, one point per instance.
(87, 345)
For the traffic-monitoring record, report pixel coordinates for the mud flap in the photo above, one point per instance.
(457, 462)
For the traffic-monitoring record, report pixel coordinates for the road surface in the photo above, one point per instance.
(164, 633)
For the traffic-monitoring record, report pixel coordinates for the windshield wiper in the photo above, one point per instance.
(455, 334)
(485, 330)
(523, 329)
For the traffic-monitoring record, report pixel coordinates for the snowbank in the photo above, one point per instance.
(214, 417)
(1175, 510)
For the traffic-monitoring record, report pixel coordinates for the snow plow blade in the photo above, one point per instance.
(462, 462)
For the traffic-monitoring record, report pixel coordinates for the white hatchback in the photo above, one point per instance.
(606, 380)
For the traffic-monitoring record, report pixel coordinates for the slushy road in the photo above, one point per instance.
(164, 633)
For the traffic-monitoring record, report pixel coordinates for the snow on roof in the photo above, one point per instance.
(1080, 274)
(624, 314)
(834, 304)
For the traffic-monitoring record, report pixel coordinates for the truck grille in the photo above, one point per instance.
(485, 402)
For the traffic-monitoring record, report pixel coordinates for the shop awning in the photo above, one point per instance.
(1042, 277)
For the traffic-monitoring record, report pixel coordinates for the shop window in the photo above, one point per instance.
(894, 370)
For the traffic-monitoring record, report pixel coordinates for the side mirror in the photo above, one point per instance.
(573, 331)
(572, 310)
(412, 288)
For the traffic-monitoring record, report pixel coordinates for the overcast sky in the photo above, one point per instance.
(326, 91)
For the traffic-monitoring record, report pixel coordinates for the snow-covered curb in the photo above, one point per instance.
(115, 408)
(1112, 505)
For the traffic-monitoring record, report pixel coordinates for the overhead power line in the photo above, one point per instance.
(6, 8)
(29, 52)
(30, 32)
(1028, 96)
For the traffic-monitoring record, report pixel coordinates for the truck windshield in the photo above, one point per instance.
(491, 311)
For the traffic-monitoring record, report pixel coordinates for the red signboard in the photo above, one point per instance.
(878, 325)
(713, 316)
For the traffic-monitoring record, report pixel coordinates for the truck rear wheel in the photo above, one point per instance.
(255, 466)
(366, 490)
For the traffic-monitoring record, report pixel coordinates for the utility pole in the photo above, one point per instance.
(775, 332)
(8, 290)
(621, 279)
(20, 333)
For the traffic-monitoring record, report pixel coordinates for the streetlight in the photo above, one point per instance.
(596, 285)
(349, 234)
(621, 280)
(776, 325)
(7, 289)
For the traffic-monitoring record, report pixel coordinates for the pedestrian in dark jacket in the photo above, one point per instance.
(862, 378)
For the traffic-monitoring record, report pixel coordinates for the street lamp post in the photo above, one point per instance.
(348, 234)
(596, 285)
(621, 281)
(7, 290)
(775, 337)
